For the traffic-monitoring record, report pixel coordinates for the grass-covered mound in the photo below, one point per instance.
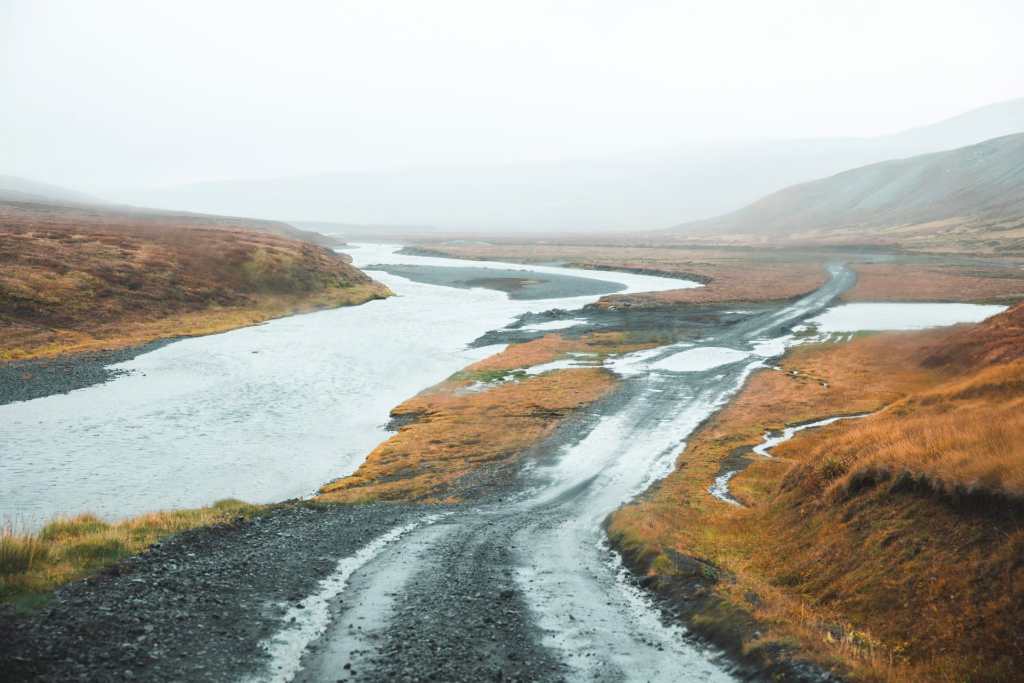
(84, 280)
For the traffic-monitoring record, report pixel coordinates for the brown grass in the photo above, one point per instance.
(908, 282)
(961, 440)
(972, 346)
(66, 549)
(885, 575)
(72, 285)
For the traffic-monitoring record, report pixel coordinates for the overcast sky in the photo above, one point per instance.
(116, 93)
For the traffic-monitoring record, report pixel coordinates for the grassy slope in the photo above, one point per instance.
(890, 547)
(76, 281)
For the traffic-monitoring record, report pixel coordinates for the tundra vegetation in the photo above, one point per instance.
(888, 547)
(70, 281)
(33, 564)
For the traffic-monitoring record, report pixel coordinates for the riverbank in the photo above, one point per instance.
(850, 549)
(216, 416)
(44, 367)
(539, 443)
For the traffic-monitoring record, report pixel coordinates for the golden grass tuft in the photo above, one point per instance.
(961, 440)
(69, 548)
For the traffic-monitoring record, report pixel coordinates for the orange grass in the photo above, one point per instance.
(908, 282)
(70, 285)
(960, 439)
(880, 580)
(457, 433)
(69, 548)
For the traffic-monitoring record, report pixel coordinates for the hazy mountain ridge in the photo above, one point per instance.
(642, 190)
(981, 180)
(972, 189)
(15, 189)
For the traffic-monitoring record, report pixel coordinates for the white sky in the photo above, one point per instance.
(134, 92)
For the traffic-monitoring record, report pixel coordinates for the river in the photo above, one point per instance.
(262, 413)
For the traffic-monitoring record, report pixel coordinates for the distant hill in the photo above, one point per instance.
(644, 190)
(33, 200)
(15, 189)
(966, 198)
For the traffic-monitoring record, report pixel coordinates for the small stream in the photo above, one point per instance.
(720, 488)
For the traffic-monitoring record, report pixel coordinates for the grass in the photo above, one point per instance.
(96, 280)
(66, 549)
(913, 282)
(961, 440)
(886, 548)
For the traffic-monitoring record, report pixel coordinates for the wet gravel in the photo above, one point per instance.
(25, 380)
(461, 616)
(193, 608)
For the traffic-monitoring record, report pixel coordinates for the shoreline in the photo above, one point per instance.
(47, 374)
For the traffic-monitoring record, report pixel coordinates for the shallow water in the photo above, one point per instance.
(897, 316)
(261, 413)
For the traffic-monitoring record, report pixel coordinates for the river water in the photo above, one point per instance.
(262, 413)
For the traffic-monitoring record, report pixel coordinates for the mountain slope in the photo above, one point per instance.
(977, 191)
(640, 190)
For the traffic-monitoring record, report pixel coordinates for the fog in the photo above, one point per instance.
(510, 115)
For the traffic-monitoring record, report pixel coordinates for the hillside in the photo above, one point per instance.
(62, 210)
(646, 189)
(971, 198)
(77, 278)
(887, 547)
